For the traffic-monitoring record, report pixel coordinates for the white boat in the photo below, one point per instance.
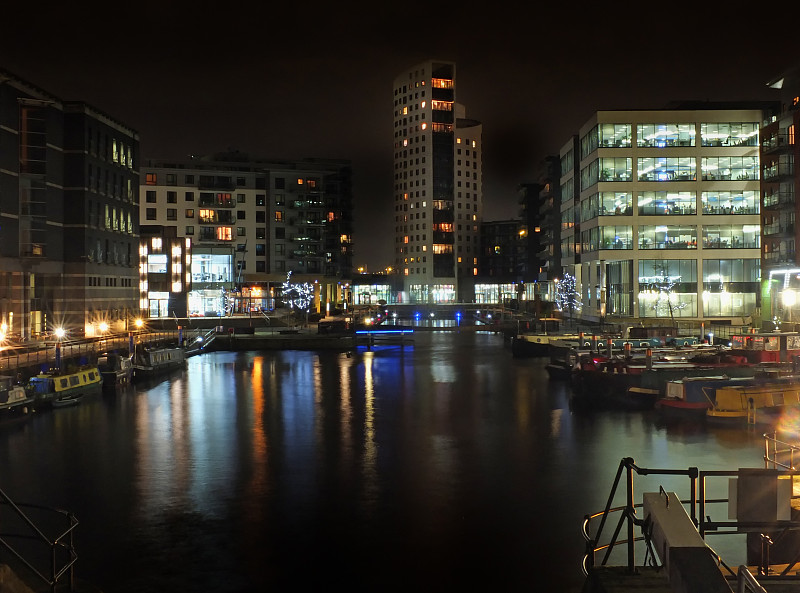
(13, 394)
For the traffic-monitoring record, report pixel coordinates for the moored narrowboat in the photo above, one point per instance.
(763, 403)
(690, 397)
(115, 369)
(58, 388)
(148, 363)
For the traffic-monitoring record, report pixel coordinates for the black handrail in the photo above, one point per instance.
(696, 502)
(628, 465)
(62, 541)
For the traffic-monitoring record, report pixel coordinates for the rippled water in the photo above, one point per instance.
(442, 465)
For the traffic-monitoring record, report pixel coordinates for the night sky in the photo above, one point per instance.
(315, 79)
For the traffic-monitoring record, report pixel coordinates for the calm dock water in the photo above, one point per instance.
(439, 465)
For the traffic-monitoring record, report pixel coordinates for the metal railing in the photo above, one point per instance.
(46, 355)
(52, 557)
(779, 454)
(697, 506)
(746, 582)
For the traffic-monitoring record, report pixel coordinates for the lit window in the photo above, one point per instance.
(150, 179)
(224, 233)
(300, 181)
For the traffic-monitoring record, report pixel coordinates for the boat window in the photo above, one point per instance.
(64, 383)
(73, 380)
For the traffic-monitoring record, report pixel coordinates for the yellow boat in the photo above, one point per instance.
(755, 404)
(61, 389)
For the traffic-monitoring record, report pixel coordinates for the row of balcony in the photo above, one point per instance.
(779, 199)
(778, 229)
(780, 257)
(777, 142)
(779, 171)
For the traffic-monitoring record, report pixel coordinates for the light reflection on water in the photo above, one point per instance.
(440, 465)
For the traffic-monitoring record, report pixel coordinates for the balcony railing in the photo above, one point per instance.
(778, 171)
(776, 143)
(778, 229)
(779, 198)
(779, 257)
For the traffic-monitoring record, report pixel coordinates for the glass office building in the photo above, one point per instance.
(663, 213)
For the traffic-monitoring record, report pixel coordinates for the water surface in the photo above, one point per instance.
(442, 465)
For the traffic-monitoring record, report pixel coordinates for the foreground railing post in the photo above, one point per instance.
(630, 511)
(693, 473)
(766, 542)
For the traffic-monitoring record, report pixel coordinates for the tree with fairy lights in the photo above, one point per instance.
(297, 296)
(662, 291)
(567, 296)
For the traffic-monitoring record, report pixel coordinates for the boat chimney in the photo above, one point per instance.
(627, 348)
(649, 358)
(609, 346)
(595, 347)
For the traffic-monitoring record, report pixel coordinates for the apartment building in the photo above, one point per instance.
(437, 186)
(68, 214)
(780, 153)
(665, 213)
(251, 223)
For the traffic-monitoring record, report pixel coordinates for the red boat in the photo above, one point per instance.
(766, 347)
